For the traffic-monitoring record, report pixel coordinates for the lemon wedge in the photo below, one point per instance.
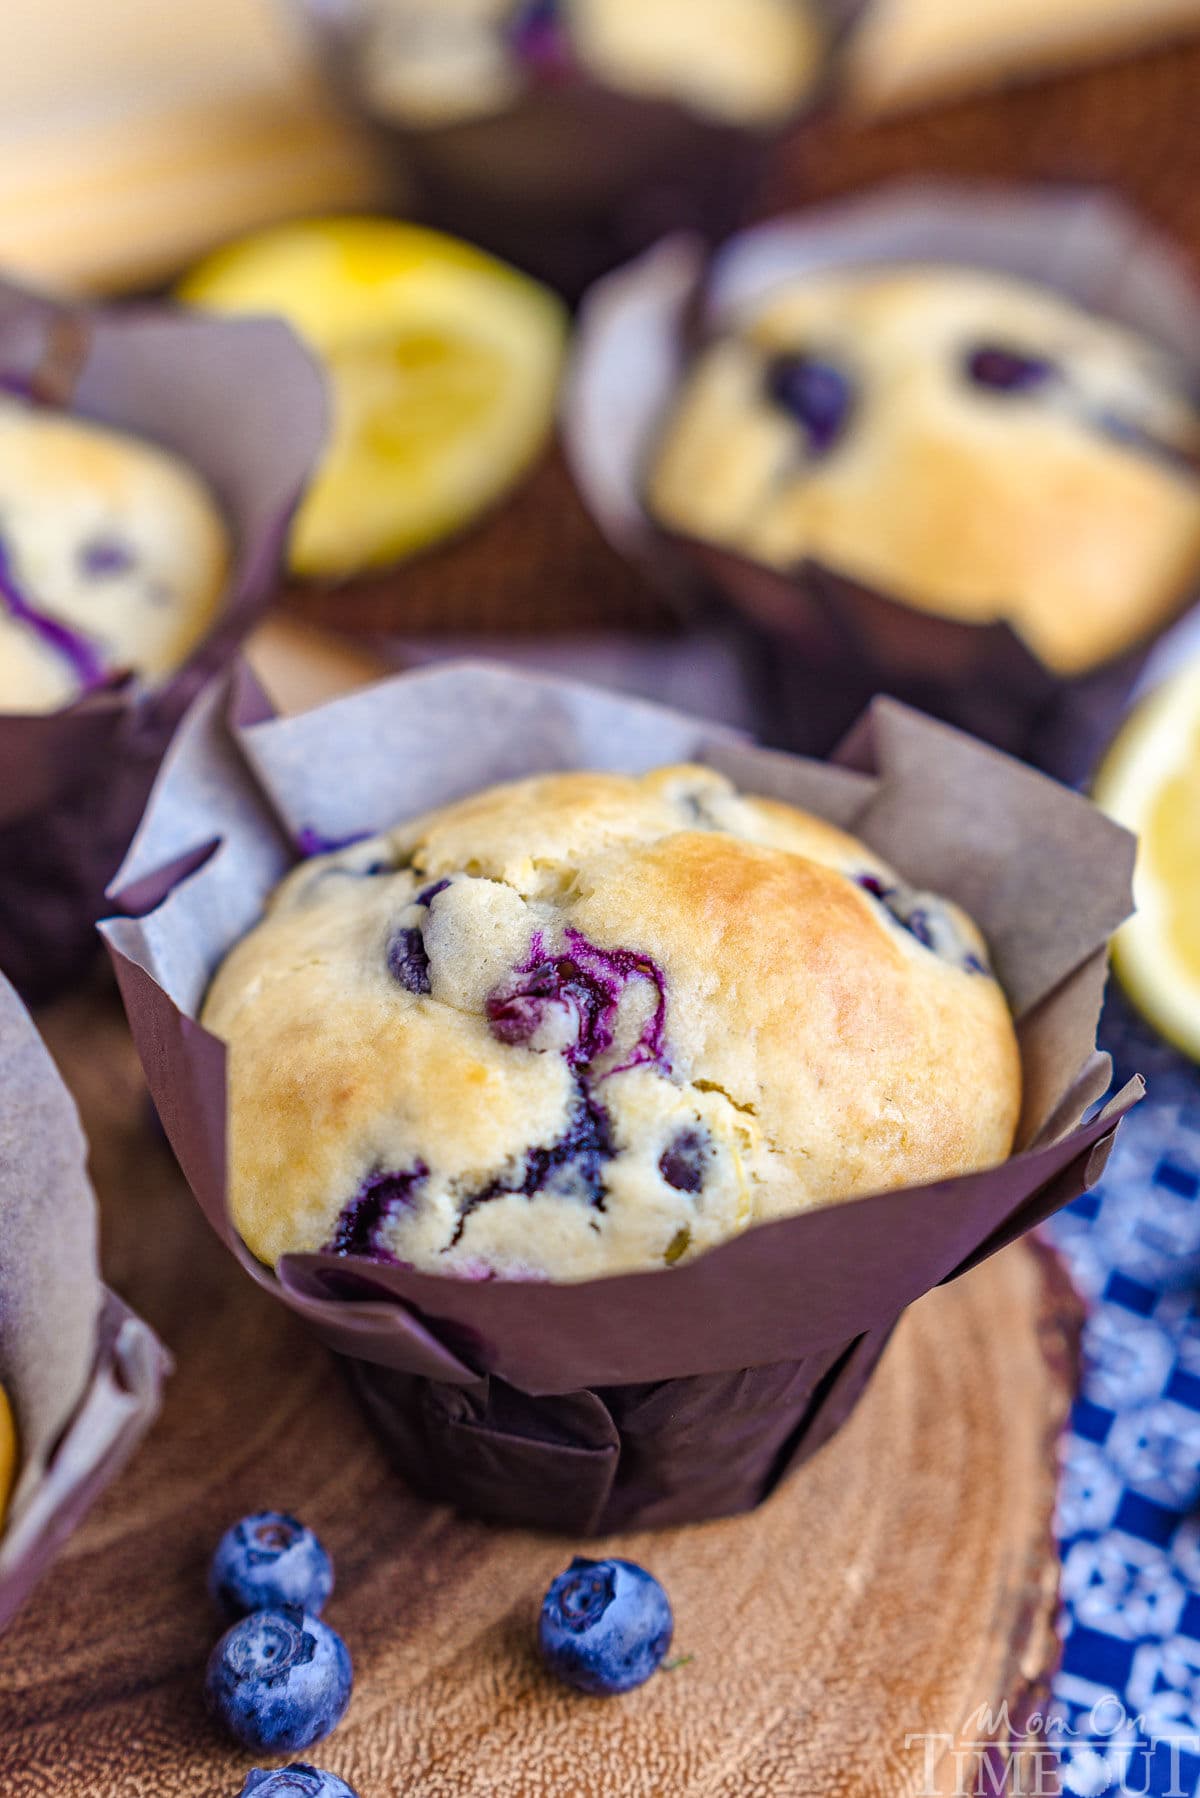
(8, 1453)
(1149, 781)
(442, 364)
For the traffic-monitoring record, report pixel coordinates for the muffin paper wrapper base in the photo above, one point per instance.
(574, 176)
(83, 1374)
(239, 400)
(674, 1393)
(837, 642)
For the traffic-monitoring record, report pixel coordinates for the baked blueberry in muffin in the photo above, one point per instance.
(584, 1023)
(968, 443)
(113, 557)
(435, 62)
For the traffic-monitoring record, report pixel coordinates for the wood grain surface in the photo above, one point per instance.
(902, 1580)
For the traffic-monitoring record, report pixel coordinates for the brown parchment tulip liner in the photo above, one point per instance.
(243, 403)
(833, 642)
(84, 1375)
(573, 176)
(681, 1393)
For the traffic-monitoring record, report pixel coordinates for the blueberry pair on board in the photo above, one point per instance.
(279, 1679)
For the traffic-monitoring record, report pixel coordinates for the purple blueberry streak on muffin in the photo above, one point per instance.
(83, 657)
(580, 992)
(361, 1222)
(571, 1167)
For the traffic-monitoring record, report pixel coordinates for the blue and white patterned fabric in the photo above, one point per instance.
(1127, 1697)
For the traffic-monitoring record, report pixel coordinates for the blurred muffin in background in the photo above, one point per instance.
(567, 134)
(113, 558)
(430, 62)
(978, 447)
(150, 464)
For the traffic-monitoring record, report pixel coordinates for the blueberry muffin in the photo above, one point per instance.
(585, 1023)
(972, 445)
(438, 62)
(113, 556)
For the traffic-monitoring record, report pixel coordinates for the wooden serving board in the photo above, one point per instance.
(905, 1578)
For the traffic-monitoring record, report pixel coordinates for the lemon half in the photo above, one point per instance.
(8, 1453)
(1149, 781)
(443, 368)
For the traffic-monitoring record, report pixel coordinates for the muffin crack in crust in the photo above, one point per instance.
(571, 1167)
(588, 1022)
(712, 1086)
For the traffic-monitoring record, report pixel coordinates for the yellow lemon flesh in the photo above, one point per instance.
(1150, 781)
(442, 366)
(8, 1453)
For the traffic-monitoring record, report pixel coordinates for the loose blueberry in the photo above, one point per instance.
(1007, 371)
(360, 1223)
(605, 1626)
(299, 1778)
(818, 396)
(266, 1560)
(684, 1160)
(278, 1680)
(407, 961)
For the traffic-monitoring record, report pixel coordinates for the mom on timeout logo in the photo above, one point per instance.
(1104, 1754)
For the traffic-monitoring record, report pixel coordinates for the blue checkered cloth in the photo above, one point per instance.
(1128, 1693)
